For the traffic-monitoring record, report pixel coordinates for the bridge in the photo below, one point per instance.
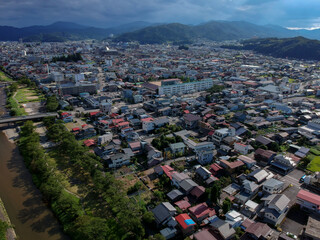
(26, 118)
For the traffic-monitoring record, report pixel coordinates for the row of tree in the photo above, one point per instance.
(119, 217)
(70, 58)
(163, 142)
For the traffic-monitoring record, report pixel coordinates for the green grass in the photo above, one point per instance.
(3, 230)
(314, 165)
(15, 108)
(291, 80)
(315, 151)
(4, 77)
(25, 95)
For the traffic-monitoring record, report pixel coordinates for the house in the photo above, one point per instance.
(118, 160)
(234, 218)
(154, 155)
(216, 169)
(275, 208)
(248, 191)
(264, 157)
(204, 234)
(258, 230)
(135, 147)
(185, 223)
(177, 178)
(177, 148)
(191, 121)
(175, 195)
(308, 201)
(258, 175)
(197, 192)
(241, 148)
(272, 186)
(283, 164)
(263, 140)
(223, 229)
(239, 117)
(249, 162)
(147, 124)
(202, 173)
(168, 232)
(163, 213)
(312, 230)
(205, 156)
(250, 209)
(222, 133)
(183, 204)
(187, 185)
(231, 167)
(201, 212)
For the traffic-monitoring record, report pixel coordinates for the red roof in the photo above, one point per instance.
(116, 121)
(186, 111)
(135, 145)
(183, 220)
(201, 210)
(215, 167)
(64, 113)
(309, 197)
(89, 142)
(232, 165)
(211, 133)
(147, 119)
(123, 124)
(75, 129)
(183, 204)
(167, 170)
(84, 125)
(93, 113)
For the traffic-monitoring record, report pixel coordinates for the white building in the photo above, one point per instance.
(241, 148)
(138, 98)
(189, 87)
(105, 138)
(79, 77)
(105, 107)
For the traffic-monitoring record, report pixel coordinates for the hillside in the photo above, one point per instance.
(298, 47)
(64, 31)
(214, 30)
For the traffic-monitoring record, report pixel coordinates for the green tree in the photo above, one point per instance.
(226, 205)
(215, 192)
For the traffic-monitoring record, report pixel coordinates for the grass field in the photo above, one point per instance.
(25, 95)
(4, 78)
(314, 165)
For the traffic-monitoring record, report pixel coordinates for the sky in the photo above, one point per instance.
(106, 13)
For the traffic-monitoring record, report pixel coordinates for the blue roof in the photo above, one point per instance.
(189, 222)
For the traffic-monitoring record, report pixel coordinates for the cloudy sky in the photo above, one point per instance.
(104, 13)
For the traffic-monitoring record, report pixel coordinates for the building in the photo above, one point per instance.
(241, 148)
(177, 148)
(185, 223)
(275, 208)
(272, 186)
(163, 213)
(283, 164)
(177, 87)
(222, 133)
(308, 201)
(118, 160)
(73, 89)
(201, 212)
(312, 230)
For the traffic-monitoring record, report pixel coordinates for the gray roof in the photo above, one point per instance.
(279, 200)
(163, 211)
(174, 194)
(223, 227)
(250, 185)
(272, 182)
(188, 184)
(177, 145)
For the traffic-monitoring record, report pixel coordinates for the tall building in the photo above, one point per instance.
(175, 86)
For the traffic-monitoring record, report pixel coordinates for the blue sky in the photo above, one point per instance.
(104, 13)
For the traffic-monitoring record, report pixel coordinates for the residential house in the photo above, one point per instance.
(283, 164)
(241, 148)
(222, 133)
(223, 229)
(201, 212)
(177, 148)
(234, 218)
(312, 230)
(118, 160)
(191, 121)
(308, 201)
(231, 167)
(177, 178)
(248, 191)
(187, 185)
(264, 157)
(249, 162)
(275, 208)
(258, 231)
(197, 192)
(185, 223)
(258, 175)
(175, 195)
(250, 209)
(272, 186)
(168, 232)
(163, 213)
(204, 234)
(202, 173)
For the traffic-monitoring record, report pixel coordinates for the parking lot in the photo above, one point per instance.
(294, 221)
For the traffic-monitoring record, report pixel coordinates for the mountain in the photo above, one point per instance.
(213, 30)
(297, 47)
(64, 31)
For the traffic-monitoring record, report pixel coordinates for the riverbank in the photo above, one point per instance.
(11, 234)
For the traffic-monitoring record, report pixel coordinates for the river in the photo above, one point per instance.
(23, 201)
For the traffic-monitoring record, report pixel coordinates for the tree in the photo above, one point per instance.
(27, 129)
(148, 217)
(274, 147)
(52, 104)
(215, 192)
(226, 205)
(13, 87)
(90, 228)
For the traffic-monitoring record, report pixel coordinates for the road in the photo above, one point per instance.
(101, 79)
